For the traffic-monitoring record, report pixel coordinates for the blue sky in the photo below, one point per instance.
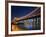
(19, 11)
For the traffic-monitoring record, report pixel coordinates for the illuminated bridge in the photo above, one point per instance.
(34, 13)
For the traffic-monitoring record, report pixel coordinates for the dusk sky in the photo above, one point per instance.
(19, 11)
